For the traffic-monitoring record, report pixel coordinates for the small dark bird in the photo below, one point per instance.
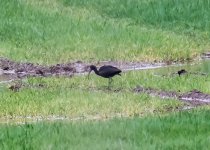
(106, 72)
(6, 68)
(181, 72)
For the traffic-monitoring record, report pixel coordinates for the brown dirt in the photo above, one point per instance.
(30, 69)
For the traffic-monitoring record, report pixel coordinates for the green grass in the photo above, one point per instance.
(64, 30)
(167, 14)
(183, 130)
(79, 97)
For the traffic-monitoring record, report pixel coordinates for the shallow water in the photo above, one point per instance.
(197, 68)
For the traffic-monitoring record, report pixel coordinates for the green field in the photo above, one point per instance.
(64, 30)
(188, 130)
(59, 31)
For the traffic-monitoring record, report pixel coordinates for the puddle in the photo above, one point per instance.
(132, 66)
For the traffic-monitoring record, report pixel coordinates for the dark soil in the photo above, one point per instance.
(30, 69)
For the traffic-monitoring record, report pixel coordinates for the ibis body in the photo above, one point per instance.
(106, 71)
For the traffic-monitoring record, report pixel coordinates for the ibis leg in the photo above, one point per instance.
(110, 81)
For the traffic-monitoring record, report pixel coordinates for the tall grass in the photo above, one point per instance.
(48, 32)
(172, 14)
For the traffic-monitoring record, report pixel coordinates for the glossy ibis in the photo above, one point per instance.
(106, 72)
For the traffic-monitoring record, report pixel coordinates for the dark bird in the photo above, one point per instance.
(6, 68)
(181, 72)
(106, 72)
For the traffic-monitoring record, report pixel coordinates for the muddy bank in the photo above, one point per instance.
(29, 69)
(22, 69)
(194, 97)
(205, 55)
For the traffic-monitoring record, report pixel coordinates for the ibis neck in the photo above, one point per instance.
(96, 71)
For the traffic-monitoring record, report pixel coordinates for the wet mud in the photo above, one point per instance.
(194, 97)
(205, 55)
(29, 69)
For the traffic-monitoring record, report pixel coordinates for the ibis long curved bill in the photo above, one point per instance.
(88, 76)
